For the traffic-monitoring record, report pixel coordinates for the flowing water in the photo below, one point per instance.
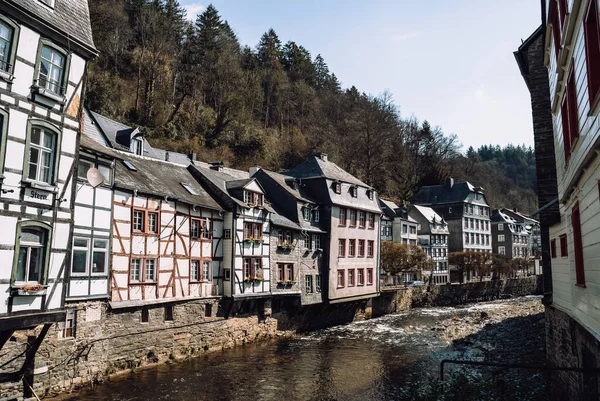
(369, 360)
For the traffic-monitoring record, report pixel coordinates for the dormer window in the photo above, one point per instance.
(306, 213)
(137, 146)
(337, 187)
(253, 198)
(49, 3)
(370, 194)
(354, 191)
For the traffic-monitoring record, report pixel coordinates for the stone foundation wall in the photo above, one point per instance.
(107, 342)
(568, 344)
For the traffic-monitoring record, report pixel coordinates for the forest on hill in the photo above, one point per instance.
(192, 87)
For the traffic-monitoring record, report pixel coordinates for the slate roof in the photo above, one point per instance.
(281, 180)
(315, 166)
(238, 184)
(441, 194)
(70, 18)
(174, 157)
(219, 179)
(112, 129)
(428, 213)
(90, 144)
(155, 177)
(390, 209)
(282, 221)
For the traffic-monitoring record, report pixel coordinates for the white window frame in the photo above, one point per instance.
(87, 255)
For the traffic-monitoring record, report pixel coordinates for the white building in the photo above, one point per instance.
(433, 239)
(44, 48)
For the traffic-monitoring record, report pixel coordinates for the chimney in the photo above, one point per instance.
(192, 156)
(253, 170)
(515, 210)
(167, 156)
(217, 166)
(321, 155)
(449, 182)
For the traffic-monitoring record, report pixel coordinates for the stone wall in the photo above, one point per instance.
(107, 342)
(568, 344)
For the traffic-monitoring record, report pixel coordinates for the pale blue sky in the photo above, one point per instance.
(448, 61)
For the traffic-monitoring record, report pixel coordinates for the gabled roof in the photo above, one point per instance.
(112, 130)
(238, 184)
(159, 178)
(315, 167)
(283, 181)
(429, 214)
(388, 208)
(519, 216)
(69, 19)
(91, 145)
(219, 179)
(443, 194)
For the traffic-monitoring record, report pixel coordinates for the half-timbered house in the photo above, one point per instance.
(433, 239)
(246, 229)
(44, 48)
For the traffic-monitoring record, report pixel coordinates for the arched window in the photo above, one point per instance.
(31, 253)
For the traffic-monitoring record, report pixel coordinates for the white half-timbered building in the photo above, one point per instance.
(43, 54)
(246, 230)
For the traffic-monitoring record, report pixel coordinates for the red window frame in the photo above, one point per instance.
(370, 248)
(362, 219)
(360, 277)
(369, 276)
(252, 229)
(351, 248)
(578, 246)
(569, 115)
(283, 273)
(554, 19)
(564, 246)
(562, 12)
(343, 277)
(145, 221)
(342, 245)
(371, 217)
(352, 218)
(252, 269)
(351, 278)
(344, 214)
(591, 32)
(361, 248)
(553, 248)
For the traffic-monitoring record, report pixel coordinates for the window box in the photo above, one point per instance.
(286, 247)
(5, 76)
(258, 279)
(258, 240)
(39, 185)
(286, 283)
(30, 290)
(40, 91)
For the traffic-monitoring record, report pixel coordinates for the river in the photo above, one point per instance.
(377, 359)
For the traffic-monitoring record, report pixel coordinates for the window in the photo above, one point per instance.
(168, 313)
(343, 215)
(369, 276)
(227, 233)
(591, 29)
(341, 248)
(145, 315)
(129, 165)
(354, 191)
(500, 227)
(252, 231)
(153, 222)
(195, 270)
(404, 229)
(500, 237)
(553, 248)
(466, 238)
(253, 198)
(370, 194)
(7, 45)
(370, 248)
(340, 279)
(477, 224)
(351, 278)
(316, 216)
(360, 277)
(227, 274)
(361, 219)
(466, 223)
(49, 3)
(306, 213)
(316, 242)
(80, 256)
(351, 247)
(413, 229)
(568, 112)
(501, 250)
(42, 151)
(206, 270)
(247, 197)
(337, 187)
(70, 323)
(32, 253)
(138, 220)
(361, 247)
(471, 223)
(371, 220)
(195, 228)
(137, 146)
(253, 268)
(450, 210)
(317, 283)
(51, 70)
(308, 284)
(578, 245)
(99, 255)
(288, 237)
(189, 188)
(142, 270)
(352, 218)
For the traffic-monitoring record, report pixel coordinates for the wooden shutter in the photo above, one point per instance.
(578, 245)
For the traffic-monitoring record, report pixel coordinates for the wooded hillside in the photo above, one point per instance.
(192, 87)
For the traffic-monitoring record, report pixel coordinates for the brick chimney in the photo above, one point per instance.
(217, 166)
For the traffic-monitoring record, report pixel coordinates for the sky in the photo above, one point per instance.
(448, 62)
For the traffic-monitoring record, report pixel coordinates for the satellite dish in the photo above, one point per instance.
(94, 177)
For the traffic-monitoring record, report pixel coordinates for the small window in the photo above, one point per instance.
(317, 283)
(153, 222)
(308, 284)
(208, 310)
(361, 247)
(351, 247)
(145, 315)
(370, 194)
(340, 279)
(135, 270)
(343, 212)
(168, 313)
(31, 256)
(227, 233)
(316, 215)
(354, 191)
(138, 220)
(553, 248)
(351, 278)
(316, 242)
(337, 187)
(42, 151)
(370, 276)
(306, 213)
(150, 272)
(578, 245)
(7, 37)
(569, 114)
(500, 237)
(352, 218)
(226, 274)
(500, 227)
(206, 276)
(195, 270)
(564, 246)
(189, 188)
(341, 248)
(129, 165)
(70, 323)
(99, 256)
(371, 220)
(360, 277)
(80, 256)
(137, 146)
(501, 250)
(82, 168)
(370, 248)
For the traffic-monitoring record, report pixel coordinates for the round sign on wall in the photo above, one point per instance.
(94, 177)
